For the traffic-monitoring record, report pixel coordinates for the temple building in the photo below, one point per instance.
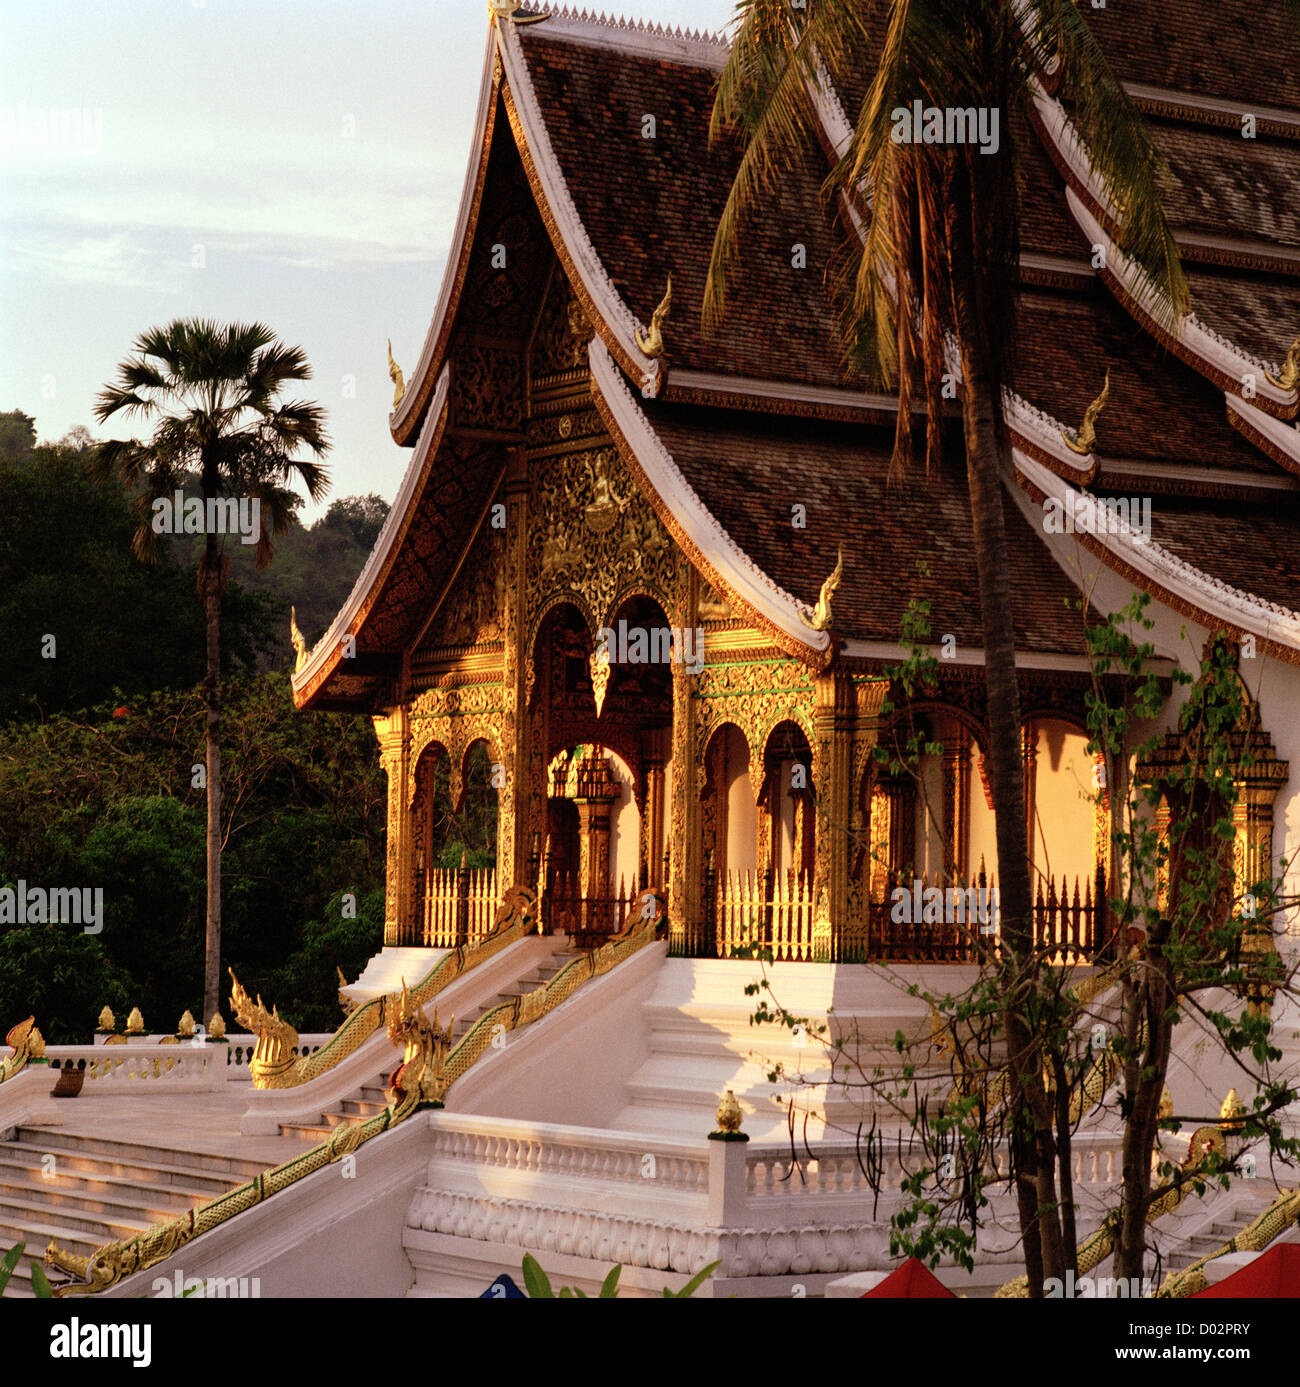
(652, 582)
(644, 602)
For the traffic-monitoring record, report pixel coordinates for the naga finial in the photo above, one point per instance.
(1083, 441)
(299, 644)
(821, 617)
(1290, 375)
(421, 1076)
(395, 374)
(652, 343)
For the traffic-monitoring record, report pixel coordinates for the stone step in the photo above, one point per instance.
(122, 1199)
(19, 1216)
(116, 1148)
(78, 1161)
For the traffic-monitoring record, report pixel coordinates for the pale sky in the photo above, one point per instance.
(297, 162)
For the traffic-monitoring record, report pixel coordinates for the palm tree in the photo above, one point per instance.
(939, 241)
(212, 392)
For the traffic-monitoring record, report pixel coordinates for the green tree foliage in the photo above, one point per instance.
(66, 572)
(108, 799)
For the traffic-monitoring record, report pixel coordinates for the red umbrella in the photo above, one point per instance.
(912, 1281)
(1273, 1275)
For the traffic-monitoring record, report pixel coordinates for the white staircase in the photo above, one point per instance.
(86, 1191)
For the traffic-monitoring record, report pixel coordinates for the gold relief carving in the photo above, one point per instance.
(487, 389)
(595, 538)
(755, 697)
(713, 606)
(474, 613)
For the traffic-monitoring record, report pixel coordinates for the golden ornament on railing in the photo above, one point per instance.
(729, 1118)
(185, 1026)
(35, 1045)
(135, 1022)
(107, 1022)
(216, 1027)
(1232, 1113)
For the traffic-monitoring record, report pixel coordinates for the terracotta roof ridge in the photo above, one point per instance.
(619, 26)
(1173, 103)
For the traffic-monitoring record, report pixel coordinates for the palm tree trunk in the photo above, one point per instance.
(212, 702)
(1029, 1111)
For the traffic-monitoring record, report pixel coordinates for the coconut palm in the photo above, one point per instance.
(212, 393)
(939, 237)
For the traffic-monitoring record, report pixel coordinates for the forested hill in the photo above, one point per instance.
(80, 616)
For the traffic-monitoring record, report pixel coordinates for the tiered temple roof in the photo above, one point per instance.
(728, 430)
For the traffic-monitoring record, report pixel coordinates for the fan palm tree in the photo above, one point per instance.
(212, 393)
(931, 282)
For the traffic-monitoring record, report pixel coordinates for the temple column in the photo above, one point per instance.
(956, 805)
(513, 799)
(685, 847)
(652, 820)
(394, 734)
(595, 795)
(832, 759)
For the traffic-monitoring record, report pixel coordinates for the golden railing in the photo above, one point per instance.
(114, 1261)
(1281, 1214)
(516, 917)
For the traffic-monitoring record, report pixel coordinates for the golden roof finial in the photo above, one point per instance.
(299, 644)
(1084, 440)
(821, 617)
(1232, 1112)
(1290, 376)
(395, 374)
(652, 343)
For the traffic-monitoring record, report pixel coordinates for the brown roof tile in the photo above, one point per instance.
(750, 471)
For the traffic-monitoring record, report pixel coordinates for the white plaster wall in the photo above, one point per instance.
(1064, 812)
(625, 827)
(742, 819)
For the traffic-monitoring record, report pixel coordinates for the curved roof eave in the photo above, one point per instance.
(327, 654)
(694, 528)
(1171, 580)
